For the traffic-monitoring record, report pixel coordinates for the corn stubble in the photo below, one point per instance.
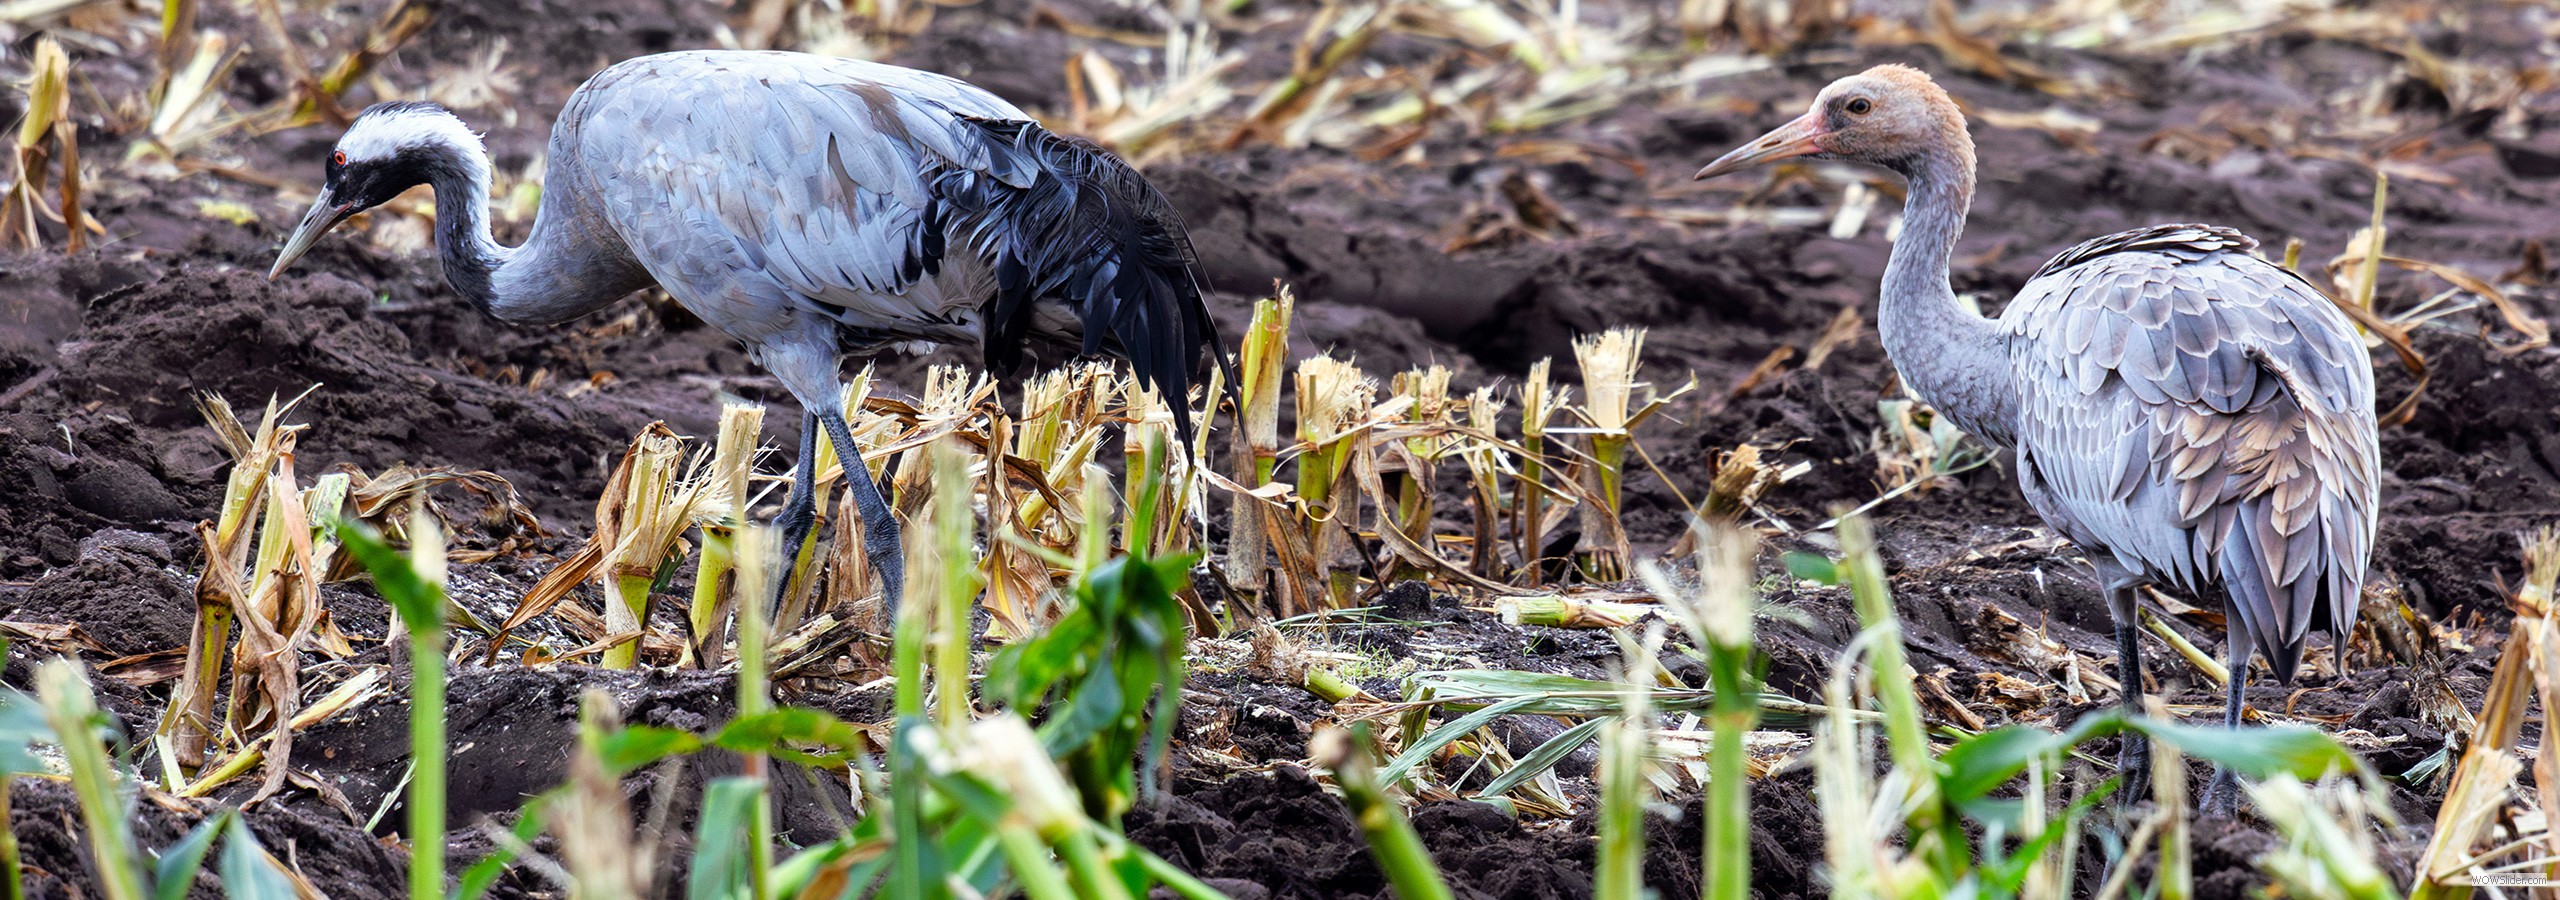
(1355, 517)
(1028, 768)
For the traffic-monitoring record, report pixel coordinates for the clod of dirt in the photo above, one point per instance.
(122, 491)
(336, 854)
(512, 730)
(121, 593)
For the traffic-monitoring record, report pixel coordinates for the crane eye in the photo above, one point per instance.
(1859, 106)
(338, 159)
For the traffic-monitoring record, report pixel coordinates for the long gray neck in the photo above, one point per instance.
(471, 257)
(566, 269)
(1953, 358)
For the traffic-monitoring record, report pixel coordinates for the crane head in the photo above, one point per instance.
(390, 148)
(1890, 115)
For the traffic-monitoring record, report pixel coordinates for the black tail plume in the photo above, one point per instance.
(1090, 232)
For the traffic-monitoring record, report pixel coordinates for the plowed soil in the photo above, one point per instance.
(105, 465)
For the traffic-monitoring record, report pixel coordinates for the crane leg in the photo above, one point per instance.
(2222, 796)
(2133, 753)
(800, 511)
(880, 540)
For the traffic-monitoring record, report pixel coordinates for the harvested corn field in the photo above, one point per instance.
(1553, 508)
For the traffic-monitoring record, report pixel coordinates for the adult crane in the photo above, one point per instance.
(812, 208)
(2183, 410)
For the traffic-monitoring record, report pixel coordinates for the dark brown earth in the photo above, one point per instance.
(105, 465)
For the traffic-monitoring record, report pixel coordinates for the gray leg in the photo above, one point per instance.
(879, 526)
(800, 512)
(2222, 796)
(2133, 754)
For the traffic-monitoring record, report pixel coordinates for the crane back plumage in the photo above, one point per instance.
(2201, 416)
(792, 199)
(1090, 231)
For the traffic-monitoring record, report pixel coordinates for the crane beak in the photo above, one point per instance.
(1802, 137)
(326, 212)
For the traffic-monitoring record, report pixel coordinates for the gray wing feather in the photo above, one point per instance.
(2205, 417)
(746, 178)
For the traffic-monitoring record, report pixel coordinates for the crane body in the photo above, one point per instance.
(2183, 410)
(813, 208)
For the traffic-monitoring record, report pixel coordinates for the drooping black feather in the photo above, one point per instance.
(1087, 231)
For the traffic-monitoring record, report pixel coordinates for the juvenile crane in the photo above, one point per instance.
(812, 208)
(2183, 410)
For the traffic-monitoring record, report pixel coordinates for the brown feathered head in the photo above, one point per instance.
(1891, 115)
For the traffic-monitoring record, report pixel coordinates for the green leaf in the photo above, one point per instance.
(1980, 764)
(1092, 707)
(975, 797)
(640, 746)
(1556, 695)
(1545, 757)
(1021, 675)
(2257, 753)
(788, 731)
(1812, 567)
(248, 873)
(792, 876)
(1431, 742)
(419, 601)
(723, 860)
(178, 865)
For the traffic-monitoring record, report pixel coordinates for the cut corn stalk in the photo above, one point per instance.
(1624, 745)
(1538, 405)
(2370, 240)
(1608, 362)
(349, 694)
(182, 118)
(2477, 796)
(1423, 394)
(592, 817)
(652, 518)
(756, 546)
(1014, 580)
(2325, 847)
(952, 399)
(954, 585)
(1289, 663)
(282, 604)
(177, 39)
(2542, 581)
(71, 709)
(1334, 401)
(1485, 465)
(1906, 735)
(1146, 443)
(2175, 876)
(1257, 441)
(1716, 618)
(48, 111)
(224, 586)
(613, 518)
(721, 507)
(1739, 481)
(2204, 663)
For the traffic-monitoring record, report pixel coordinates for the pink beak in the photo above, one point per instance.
(1802, 137)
